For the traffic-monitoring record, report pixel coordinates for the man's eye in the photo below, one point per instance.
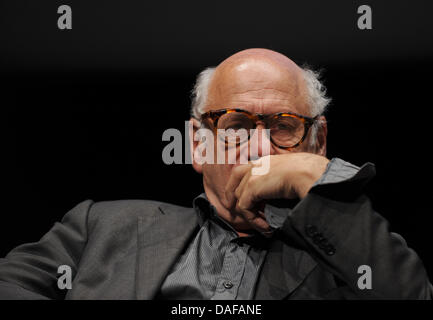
(284, 126)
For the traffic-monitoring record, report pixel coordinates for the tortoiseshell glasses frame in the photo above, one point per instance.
(267, 119)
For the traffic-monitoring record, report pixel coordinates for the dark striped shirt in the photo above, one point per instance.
(218, 264)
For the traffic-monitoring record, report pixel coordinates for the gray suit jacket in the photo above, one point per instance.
(124, 249)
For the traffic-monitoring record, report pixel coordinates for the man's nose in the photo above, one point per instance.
(259, 143)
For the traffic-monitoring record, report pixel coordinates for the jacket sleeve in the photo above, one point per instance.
(337, 225)
(30, 270)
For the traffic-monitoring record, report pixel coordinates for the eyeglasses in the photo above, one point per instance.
(287, 130)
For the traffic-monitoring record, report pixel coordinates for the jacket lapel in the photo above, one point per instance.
(161, 238)
(284, 269)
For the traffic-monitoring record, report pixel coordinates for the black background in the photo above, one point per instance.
(83, 110)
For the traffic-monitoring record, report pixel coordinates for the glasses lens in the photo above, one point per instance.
(287, 130)
(234, 127)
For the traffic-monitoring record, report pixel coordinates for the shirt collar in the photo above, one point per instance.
(203, 208)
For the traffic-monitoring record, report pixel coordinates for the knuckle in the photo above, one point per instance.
(250, 183)
(238, 170)
(238, 193)
(239, 208)
(242, 205)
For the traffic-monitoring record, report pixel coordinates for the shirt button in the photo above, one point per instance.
(228, 284)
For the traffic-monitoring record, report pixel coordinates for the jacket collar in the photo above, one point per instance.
(161, 238)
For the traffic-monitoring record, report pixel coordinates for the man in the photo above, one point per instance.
(302, 230)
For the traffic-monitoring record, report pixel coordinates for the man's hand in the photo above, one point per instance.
(290, 176)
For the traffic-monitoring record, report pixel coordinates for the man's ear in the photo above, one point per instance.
(322, 131)
(194, 126)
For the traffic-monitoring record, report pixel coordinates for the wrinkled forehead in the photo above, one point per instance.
(258, 84)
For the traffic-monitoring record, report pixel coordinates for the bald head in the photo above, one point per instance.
(258, 80)
(259, 54)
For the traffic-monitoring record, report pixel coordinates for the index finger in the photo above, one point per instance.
(236, 176)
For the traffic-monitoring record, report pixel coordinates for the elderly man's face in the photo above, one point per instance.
(258, 81)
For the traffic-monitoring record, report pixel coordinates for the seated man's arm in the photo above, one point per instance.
(337, 225)
(30, 271)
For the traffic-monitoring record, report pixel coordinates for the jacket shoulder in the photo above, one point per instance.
(121, 212)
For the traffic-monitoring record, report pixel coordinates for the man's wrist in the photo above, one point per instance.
(311, 173)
